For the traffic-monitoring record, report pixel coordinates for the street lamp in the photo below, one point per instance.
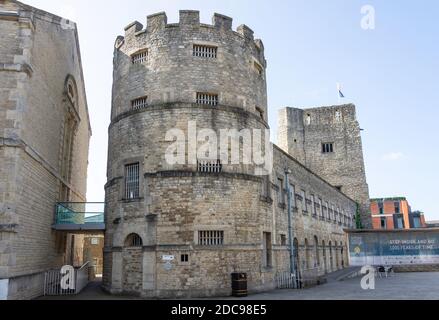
(290, 226)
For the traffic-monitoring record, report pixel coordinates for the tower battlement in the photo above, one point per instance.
(190, 20)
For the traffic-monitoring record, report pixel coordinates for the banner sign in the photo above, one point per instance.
(393, 248)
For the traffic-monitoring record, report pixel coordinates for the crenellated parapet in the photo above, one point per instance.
(190, 21)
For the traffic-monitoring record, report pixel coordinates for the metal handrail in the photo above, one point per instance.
(83, 266)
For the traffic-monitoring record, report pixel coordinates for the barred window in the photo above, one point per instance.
(139, 103)
(203, 51)
(209, 166)
(133, 240)
(139, 57)
(328, 147)
(132, 181)
(207, 98)
(211, 238)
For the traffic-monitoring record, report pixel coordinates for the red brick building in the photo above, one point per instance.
(395, 213)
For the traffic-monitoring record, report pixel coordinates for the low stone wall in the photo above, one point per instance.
(417, 268)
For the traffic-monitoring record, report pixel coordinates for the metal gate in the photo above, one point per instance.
(52, 281)
(286, 280)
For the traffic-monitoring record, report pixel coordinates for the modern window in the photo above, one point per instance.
(132, 181)
(139, 57)
(397, 208)
(416, 222)
(203, 51)
(381, 207)
(267, 253)
(400, 222)
(139, 103)
(209, 166)
(383, 223)
(327, 147)
(211, 237)
(207, 98)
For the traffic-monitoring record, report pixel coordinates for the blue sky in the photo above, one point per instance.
(390, 73)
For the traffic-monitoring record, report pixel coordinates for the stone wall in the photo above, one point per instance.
(37, 54)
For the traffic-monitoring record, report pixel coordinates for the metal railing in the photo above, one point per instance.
(287, 280)
(79, 213)
(52, 281)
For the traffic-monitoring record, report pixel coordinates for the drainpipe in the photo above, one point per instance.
(290, 227)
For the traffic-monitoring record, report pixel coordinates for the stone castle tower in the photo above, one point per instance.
(181, 229)
(328, 141)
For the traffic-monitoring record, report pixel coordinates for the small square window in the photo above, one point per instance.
(207, 98)
(139, 103)
(327, 147)
(203, 51)
(139, 57)
(184, 258)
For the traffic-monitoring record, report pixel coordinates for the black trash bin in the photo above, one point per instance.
(239, 284)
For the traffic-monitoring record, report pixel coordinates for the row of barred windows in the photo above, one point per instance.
(201, 98)
(314, 205)
(198, 50)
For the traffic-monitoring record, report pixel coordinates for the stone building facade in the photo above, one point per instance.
(327, 140)
(44, 139)
(181, 229)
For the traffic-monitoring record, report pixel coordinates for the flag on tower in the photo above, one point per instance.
(340, 94)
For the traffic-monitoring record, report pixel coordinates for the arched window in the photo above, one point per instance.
(342, 254)
(67, 136)
(71, 90)
(331, 261)
(296, 253)
(307, 259)
(325, 265)
(133, 240)
(316, 248)
(336, 255)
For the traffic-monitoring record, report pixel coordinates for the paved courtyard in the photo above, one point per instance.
(411, 286)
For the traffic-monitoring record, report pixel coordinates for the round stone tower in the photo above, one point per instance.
(180, 228)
